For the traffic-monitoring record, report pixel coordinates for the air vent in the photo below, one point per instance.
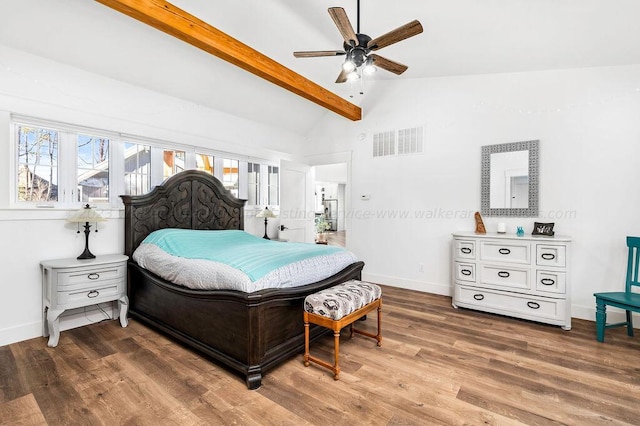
(400, 142)
(410, 141)
(384, 144)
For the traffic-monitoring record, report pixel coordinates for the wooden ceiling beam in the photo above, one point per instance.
(176, 22)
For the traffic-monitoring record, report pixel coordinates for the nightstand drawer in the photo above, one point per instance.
(98, 293)
(90, 276)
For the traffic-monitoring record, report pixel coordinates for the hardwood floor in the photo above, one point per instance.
(437, 365)
(336, 238)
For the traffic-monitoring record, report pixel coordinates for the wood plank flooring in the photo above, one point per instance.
(437, 365)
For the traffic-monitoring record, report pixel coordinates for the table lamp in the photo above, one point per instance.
(266, 213)
(86, 215)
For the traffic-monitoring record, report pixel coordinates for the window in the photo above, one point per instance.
(137, 168)
(93, 169)
(253, 182)
(230, 175)
(205, 163)
(273, 186)
(37, 172)
(173, 163)
(61, 165)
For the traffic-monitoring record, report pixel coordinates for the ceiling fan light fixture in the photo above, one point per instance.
(348, 65)
(369, 68)
(353, 76)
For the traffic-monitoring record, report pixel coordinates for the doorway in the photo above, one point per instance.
(330, 199)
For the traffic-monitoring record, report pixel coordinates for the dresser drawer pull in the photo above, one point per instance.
(465, 272)
(533, 305)
(465, 250)
(504, 251)
(478, 296)
(93, 293)
(548, 256)
(93, 276)
(547, 281)
(503, 274)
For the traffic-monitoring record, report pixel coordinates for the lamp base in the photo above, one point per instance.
(266, 237)
(86, 254)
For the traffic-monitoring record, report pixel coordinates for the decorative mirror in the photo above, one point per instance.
(509, 180)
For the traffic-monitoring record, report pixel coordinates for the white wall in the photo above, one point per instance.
(588, 124)
(37, 87)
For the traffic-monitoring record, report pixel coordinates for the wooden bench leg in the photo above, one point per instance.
(336, 343)
(379, 336)
(306, 340)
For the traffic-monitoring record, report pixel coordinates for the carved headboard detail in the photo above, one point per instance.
(189, 200)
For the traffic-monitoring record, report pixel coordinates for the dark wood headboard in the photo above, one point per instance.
(189, 200)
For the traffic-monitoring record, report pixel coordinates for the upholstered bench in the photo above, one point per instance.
(337, 307)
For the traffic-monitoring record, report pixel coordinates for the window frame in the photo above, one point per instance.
(67, 165)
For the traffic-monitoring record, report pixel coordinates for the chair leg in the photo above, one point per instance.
(601, 319)
(629, 324)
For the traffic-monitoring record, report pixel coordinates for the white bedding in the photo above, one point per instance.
(206, 274)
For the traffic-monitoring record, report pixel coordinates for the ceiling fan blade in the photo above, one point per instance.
(317, 53)
(341, 20)
(407, 30)
(342, 77)
(388, 64)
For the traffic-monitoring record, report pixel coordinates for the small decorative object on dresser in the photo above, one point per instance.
(543, 229)
(526, 277)
(72, 283)
(480, 229)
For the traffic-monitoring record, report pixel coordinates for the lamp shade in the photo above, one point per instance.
(86, 214)
(266, 213)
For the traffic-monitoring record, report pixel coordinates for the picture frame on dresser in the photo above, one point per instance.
(522, 277)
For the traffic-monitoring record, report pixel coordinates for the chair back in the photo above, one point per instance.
(633, 263)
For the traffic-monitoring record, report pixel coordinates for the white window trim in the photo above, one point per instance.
(67, 165)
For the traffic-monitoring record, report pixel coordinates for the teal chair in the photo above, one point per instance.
(626, 300)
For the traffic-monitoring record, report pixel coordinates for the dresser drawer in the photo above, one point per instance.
(507, 278)
(465, 249)
(104, 291)
(518, 305)
(465, 271)
(550, 255)
(551, 282)
(80, 278)
(505, 252)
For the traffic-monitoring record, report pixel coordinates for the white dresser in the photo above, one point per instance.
(73, 283)
(524, 277)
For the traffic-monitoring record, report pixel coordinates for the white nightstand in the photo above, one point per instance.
(73, 283)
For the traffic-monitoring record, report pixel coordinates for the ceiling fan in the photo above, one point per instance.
(358, 47)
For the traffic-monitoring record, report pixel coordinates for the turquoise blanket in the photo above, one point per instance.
(252, 255)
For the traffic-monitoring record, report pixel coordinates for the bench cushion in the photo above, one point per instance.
(339, 301)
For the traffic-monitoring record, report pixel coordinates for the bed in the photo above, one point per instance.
(249, 332)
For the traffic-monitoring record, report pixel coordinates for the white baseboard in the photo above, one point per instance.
(441, 289)
(20, 333)
(70, 319)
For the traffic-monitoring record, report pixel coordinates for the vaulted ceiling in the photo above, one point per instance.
(460, 37)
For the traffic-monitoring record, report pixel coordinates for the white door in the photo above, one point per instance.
(296, 202)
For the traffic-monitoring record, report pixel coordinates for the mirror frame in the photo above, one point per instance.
(485, 181)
